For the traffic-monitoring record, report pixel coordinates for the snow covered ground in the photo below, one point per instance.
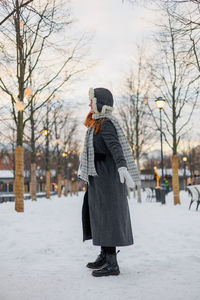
(42, 256)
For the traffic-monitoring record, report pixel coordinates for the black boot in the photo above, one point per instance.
(111, 267)
(99, 262)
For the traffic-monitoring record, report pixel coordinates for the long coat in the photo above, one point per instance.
(105, 212)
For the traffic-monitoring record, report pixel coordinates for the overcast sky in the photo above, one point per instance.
(118, 27)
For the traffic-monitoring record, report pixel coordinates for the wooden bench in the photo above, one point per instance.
(194, 191)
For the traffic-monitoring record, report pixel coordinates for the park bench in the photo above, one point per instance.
(6, 197)
(149, 194)
(194, 191)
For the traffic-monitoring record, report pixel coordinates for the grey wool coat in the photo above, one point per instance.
(105, 211)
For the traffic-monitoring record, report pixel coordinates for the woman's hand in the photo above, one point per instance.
(125, 176)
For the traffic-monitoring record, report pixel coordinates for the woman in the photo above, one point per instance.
(107, 166)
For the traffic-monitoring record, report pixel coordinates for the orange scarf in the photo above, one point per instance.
(96, 124)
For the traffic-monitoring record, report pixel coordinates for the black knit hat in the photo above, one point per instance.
(102, 100)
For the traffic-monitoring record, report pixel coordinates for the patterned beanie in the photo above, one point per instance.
(102, 100)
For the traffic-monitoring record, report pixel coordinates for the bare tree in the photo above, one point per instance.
(23, 4)
(189, 26)
(47, 131)
(133, 109)
(177, 83)
(150, 163)
(64, 130)
(38, 58)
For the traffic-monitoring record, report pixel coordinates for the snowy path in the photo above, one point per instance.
(42, 256)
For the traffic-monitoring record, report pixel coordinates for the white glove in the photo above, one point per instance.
(79, 170)
(124, 175)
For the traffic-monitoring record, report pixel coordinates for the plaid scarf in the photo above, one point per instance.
(87, 166)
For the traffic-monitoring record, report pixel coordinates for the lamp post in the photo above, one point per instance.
(46, 133)
(65, 155)
(184, 166)
(59, 168)
(160, 104)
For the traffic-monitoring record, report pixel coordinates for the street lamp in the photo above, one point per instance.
(45, 132)
(64, 154)
(28, 92)
(184, 166)
(160, 104)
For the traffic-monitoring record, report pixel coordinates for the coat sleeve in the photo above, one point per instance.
(109, 135)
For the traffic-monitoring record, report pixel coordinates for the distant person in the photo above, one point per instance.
(166, 182)
(107, 165)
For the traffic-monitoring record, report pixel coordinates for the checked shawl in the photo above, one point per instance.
(87, 166)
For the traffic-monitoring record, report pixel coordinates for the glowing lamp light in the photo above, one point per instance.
(45, 131)
(184, 158)
(160, 103)
(19, 105)
(155, 168)
(132, 147)
(64, 154)
(21, 24)
(27, 92)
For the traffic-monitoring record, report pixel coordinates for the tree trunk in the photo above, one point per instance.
(33, 183)
(66, 187)
(19, 179)
(19, 152)
(175, 179)
(71, 188)
(134, 193)
(48, 184)
(76, 188)
(59, 185)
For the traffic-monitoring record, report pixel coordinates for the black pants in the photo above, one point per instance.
(109, 250)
